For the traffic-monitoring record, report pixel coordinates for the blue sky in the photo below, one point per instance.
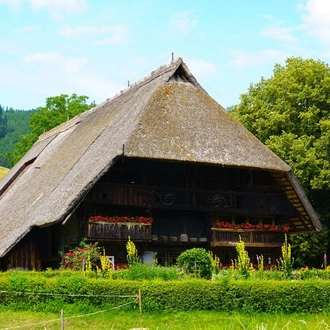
(94, 47)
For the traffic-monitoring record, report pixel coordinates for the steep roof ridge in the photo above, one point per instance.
(153, 75)
(161, 76)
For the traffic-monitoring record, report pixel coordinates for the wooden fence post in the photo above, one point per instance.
(62, 319)
(140, 301)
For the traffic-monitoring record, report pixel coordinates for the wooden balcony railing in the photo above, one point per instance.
(118, 231)
(161, 197)
(251, 238)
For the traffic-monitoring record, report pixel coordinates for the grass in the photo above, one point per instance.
(3, 171)
(206, 320)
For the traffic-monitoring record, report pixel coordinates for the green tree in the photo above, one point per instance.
(17, 125)
(3, 123)
(57, 110)
(290, 113)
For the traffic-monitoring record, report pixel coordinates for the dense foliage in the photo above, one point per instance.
(17, 125)
(196, 262)
(84, 256)
(290, 113)
(3, 123)
(68, 288)
(140, 272)
(57, 110)
(78, 284)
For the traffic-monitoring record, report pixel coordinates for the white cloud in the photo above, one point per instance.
(73, 6)
(244, 60)
(12, 4)
(201, 68)
(316, 20)
(181, 24)
(43, 57)
(45, 74)
(279, 33)
(44, 81)
(55, 7)
(11, 48)
(93, 85)
(69, 31)
(112, 34)
(118, 37)
(56, 59)
(268, 17)
(27, 28)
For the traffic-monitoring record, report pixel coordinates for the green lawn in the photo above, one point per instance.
(118, 320)
(3, 171)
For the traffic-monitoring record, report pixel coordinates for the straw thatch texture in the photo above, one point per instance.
(166, 116)
(181, 122)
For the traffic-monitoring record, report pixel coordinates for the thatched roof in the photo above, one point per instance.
(166, 116)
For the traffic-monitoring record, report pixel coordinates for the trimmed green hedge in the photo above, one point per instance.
(311, 296)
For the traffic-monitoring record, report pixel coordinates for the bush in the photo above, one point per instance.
(83, 257)
(196, 262)
(74, 292)
(146, 272)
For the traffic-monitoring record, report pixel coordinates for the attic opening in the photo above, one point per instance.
(181, 75)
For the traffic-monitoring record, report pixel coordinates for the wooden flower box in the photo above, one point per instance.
(251, 237)
(118, 231)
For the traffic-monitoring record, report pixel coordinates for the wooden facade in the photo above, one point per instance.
(186, 201)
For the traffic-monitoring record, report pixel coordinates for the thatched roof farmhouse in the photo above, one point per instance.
(163, 136)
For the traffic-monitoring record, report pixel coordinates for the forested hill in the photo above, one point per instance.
(13, 124)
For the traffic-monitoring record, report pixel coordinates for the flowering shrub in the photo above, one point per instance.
(82, 257)
(116, 219)
(106, 266)
(286, 260)
(243, 260)
(121, 266)
(132, 253)
(216, 264)
(266, 226)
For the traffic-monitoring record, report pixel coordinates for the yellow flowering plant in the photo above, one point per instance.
(132, 253)
(286, 260)
(106, 266)
(243, 260)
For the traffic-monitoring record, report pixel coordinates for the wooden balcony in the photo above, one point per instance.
(227, 202)
(251, 238)
(118, 232)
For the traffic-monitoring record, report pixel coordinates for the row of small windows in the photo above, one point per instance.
(178, 175)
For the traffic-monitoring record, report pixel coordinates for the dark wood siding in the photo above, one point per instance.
(25, 255)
